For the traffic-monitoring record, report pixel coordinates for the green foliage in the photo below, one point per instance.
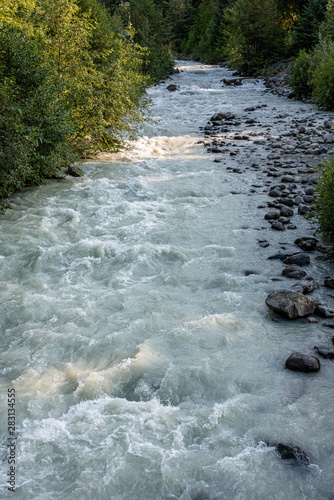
(254, 33)
(300, 80)
(323, 209)
(309, 21)
(151, 32)
(33, 128)
(203, 34)
(70, 86)
(323, 74)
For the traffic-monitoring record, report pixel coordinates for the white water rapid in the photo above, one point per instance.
(134, 328)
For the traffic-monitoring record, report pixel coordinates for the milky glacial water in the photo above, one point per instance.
(134, 329)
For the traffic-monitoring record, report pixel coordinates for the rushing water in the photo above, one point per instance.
(145, 362)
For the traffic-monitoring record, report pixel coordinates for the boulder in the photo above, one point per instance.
(324, 312)
(325, 351)
(278, 226)
(74, 171)
(286, 211)
(299, 362)
(307, 244)
(299, 259)
(329, 282)
(293, 452)
(290, 304)
(172, 87)
(293, 271)
(303, 209)
(306, 287)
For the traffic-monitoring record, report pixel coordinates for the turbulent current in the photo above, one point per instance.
(134, 328)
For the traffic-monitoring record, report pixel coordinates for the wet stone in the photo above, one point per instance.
(294, 272)
(290, 304)
(299, 259)
(303, 209)
(278, 226)
(308, 244)
(293, 452)
(286, 211)
(325, 351)
(306, 287)
(74, 171)
(299, 362)
(329, 282)
(324, 311)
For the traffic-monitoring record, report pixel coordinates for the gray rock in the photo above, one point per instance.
(74, 171)
(286, 212)
(308, 198)
(308, 244)
(324, 311)
(286, 201)
(275, 193)
(172, 87)
(299, 362)
(288, 178)
(325, 351)
(305, 287)
(329, 282)
(290, 304)
(278, 226)
(272, 216)
(293, 271)
(298, 200)
(293, 452)
(299, 259)
(303, 209)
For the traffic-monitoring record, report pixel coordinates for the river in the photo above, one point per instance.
(134, 330)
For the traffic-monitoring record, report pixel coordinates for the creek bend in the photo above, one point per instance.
(134, 327)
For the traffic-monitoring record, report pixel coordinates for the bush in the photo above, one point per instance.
(323, 75)
(323, 210)
(301, 74)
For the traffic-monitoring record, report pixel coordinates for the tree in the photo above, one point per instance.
(309, 21)
(254, 34)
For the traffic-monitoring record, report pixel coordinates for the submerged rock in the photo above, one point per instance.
(299, 362)
(293, 452)
(290, 304)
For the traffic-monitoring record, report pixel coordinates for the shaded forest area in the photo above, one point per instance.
(74, 72)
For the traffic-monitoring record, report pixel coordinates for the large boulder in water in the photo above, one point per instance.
(298, 362)
(290, 304)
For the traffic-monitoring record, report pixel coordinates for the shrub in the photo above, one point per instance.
(301, 74)
(323, 75)
(323, 210)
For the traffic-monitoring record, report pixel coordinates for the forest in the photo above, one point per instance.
(74, 72)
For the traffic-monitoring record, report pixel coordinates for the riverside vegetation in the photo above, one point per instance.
(73, 72)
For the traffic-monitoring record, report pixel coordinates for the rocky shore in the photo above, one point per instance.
(283, 150)
(286, 154)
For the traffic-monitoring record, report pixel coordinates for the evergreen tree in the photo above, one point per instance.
(306, 32)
